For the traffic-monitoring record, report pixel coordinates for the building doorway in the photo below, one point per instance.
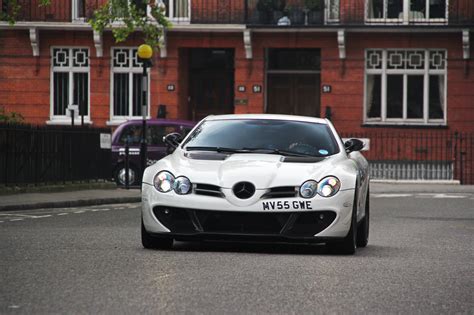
(293, 81)
(211, 82)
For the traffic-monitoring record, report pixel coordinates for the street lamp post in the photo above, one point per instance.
(145, 52)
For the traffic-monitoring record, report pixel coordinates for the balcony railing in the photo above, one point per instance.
(274, 13)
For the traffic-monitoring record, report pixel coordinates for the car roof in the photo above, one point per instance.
(268, 116)
(159, 121)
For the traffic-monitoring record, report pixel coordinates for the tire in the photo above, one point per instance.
(154, 242)
(119, 176)
(347, 246)
(363, 228)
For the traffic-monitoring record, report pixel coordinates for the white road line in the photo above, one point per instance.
(105, 209)
(95, 210)
(13, 220)
(64, 213)
(391, 195)
(2, 221)
(80, 211)
(41, 216)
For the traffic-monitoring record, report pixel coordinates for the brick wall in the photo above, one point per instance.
(25, 80)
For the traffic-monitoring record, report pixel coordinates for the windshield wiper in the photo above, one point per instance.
(277, 151)
(217, 149)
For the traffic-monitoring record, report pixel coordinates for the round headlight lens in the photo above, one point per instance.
(308, 189)
(329, 186)
(164, 181)
(182, 185)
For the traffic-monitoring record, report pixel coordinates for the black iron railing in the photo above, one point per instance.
(52, 154)
(421, 155)
(272, 13)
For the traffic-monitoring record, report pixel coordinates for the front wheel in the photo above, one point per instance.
(347, 246)
(155, 242)
(363, 228)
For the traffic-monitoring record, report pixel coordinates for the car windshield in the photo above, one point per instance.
(263, 136)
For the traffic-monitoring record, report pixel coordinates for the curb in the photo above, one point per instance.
(70, 203)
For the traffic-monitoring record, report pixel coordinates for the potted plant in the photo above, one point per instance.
(295, 14)
(313, 11)
(265, 11)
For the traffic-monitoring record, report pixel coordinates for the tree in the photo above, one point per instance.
(123, 17)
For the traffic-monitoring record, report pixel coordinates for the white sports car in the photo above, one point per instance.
(259, 177)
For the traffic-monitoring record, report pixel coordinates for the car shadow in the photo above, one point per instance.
(280, 249)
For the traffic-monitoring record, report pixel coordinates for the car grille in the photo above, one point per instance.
(281, 192)
(208, 190)
(275, 192)
(290, 224)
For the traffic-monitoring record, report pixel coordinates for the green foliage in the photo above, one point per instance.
(12, 117)
(125, 18)
(313, 5)
(13, 9)
(11, 13)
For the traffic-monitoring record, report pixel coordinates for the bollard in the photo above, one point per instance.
(127, 164)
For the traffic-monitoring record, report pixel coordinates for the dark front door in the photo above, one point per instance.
(293, 82)
(294, 94)
(211, 88)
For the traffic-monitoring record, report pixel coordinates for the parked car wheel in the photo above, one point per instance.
(120, 175)
(363, 228)
(153, 242)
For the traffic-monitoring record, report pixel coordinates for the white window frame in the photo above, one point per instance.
(327, 11)
(406, 18)
(171, 16)
(426, 72)
(75, 14)
(115, 119)
(64, 119)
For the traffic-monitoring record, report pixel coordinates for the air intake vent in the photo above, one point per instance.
(208, 190)
(281, 192)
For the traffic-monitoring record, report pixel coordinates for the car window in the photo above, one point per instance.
(296, 136)
(155, 134)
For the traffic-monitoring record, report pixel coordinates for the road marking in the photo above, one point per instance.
(13, 220)
(391, 195)
(41, 216)
(80, 211)
(64, 213)
(105, 209)
(2, 221)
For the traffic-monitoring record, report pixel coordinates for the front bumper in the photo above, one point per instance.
(206, 217)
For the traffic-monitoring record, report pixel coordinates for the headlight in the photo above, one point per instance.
(164, 181)
(308, 189)
(182, 185)
(329, 186)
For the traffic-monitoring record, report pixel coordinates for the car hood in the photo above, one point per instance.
(263, 170)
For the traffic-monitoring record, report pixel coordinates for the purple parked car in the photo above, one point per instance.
(132, 130)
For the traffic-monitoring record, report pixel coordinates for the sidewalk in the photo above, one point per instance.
(68, 199)
(110, 196)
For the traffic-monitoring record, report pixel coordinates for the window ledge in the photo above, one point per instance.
(67, 122)
(118, 121)
(405, 126)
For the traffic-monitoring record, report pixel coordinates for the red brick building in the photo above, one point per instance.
(372, 66)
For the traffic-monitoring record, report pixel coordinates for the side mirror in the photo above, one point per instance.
(353, 145)
(172, 141)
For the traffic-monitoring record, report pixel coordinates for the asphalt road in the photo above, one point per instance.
(420, 259)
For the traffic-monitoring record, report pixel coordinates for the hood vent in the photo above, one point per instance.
(209, 156)
(208, 190)
(302, 159)
(281, 192)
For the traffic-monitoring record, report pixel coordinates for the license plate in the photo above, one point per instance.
(287, 205)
